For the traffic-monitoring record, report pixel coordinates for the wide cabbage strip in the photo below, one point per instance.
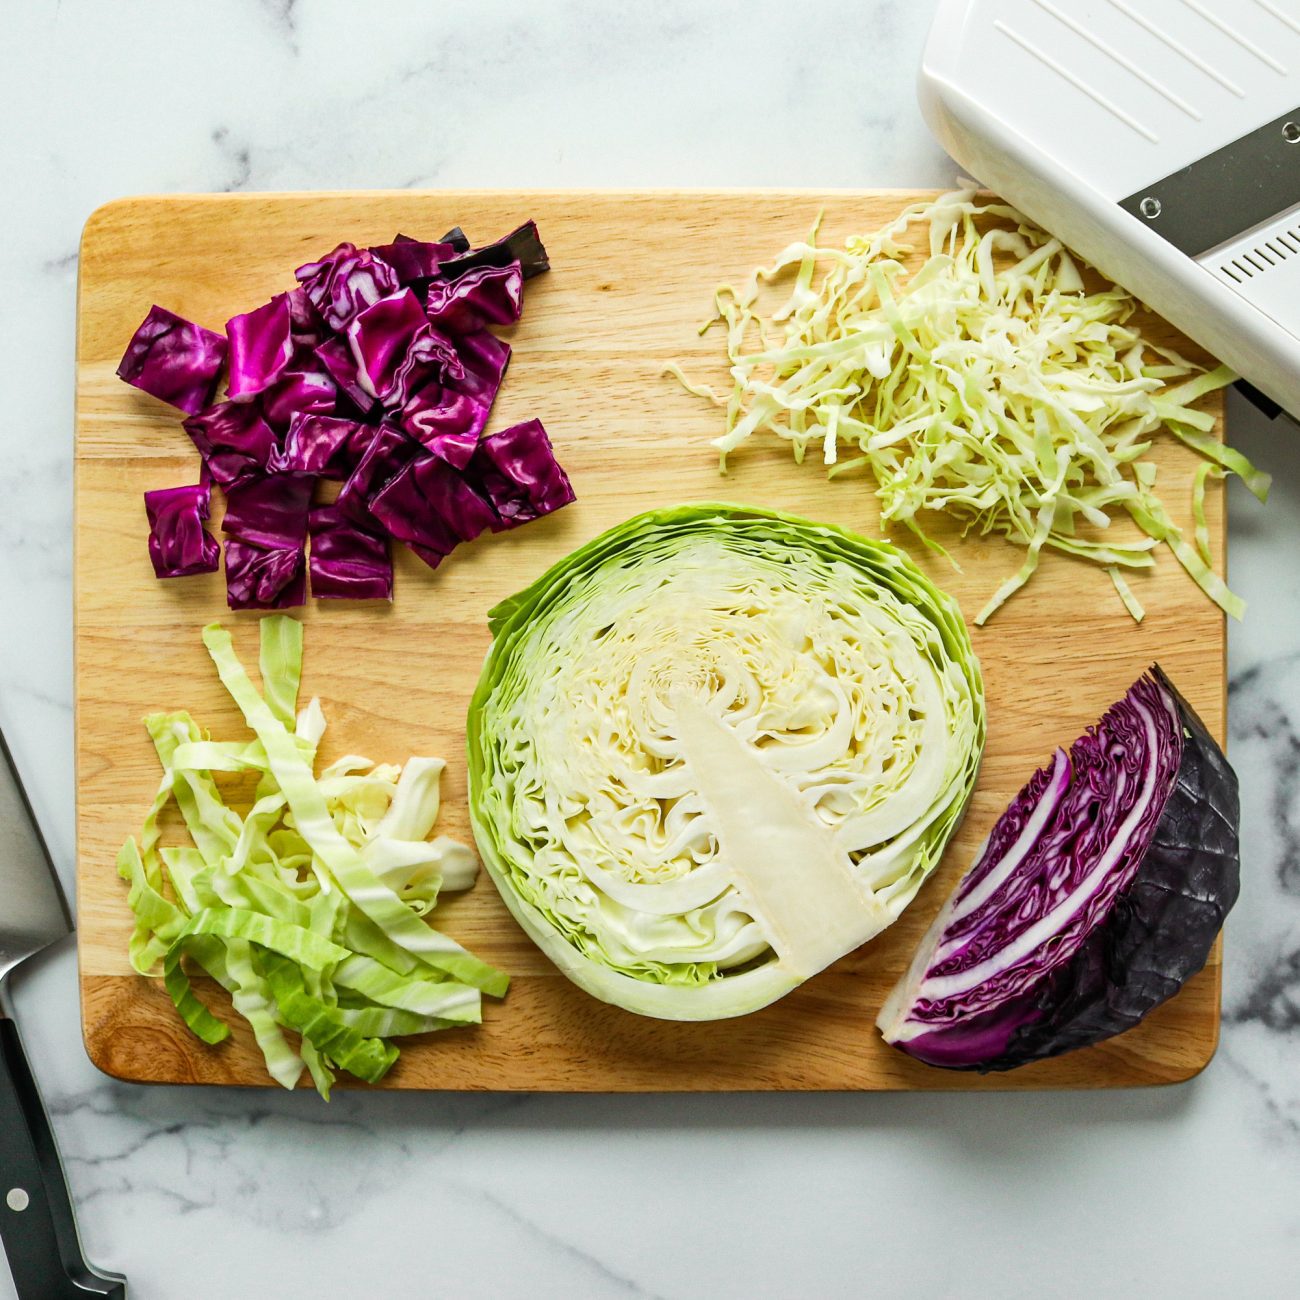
(310, 908)
(717, 748)
(988, 384)
(1097, 895)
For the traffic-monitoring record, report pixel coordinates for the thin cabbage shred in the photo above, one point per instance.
(988, 384)
(310, 908)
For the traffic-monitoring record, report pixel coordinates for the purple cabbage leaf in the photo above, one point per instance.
(236, 443)
(431, 508)
(387, 453)
(262, 578)
(415, 261)
(266, 531)
(380, 338)
(179, 545)
(345, 282)
(456, 238)
(347, 562)
(270, 512)
(485, 295)
(523, 245)
(516, 471)
(261, 347)
(307, 328)
(321, 445)
(450, 411)
(298, 392)
(335, 357)
(174, 360)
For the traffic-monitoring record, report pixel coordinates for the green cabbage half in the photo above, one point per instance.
(717, 748)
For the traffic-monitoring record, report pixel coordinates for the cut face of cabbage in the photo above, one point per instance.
(1097, 895)
(716, 749)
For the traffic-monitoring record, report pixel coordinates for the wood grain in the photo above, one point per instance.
(634, 274)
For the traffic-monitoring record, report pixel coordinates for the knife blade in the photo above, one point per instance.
(37, 1226)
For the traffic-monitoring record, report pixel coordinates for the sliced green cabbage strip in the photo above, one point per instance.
(309, 908)
(988, 384)
(717, 748)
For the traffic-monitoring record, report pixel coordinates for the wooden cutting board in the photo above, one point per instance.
(633, 275)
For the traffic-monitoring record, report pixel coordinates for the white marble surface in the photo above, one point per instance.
(219, 1195)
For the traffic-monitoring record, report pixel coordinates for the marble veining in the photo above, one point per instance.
(239, 158)
(284, 13)
(1262, 988)
(214, 1194)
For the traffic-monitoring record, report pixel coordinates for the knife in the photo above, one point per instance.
(36, 1222)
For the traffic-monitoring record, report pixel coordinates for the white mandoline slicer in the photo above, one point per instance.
(1160, 139)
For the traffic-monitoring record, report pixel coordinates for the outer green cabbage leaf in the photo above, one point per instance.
(717, 748)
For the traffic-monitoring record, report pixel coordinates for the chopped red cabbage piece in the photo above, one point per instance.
(415, 261)
(456, 238)
(262, 578)
(234, 440)
(346, 282)
(432, 358)
(486, 295)
(388, 452)
(179, 545)
(174, 360)
(445, 421)
(459, 407)
(336, 357)
(297, 392)
(270, 512)
(449, 432)
(380, 338)
(260, 347)
(266, 528)
(485, 359)
(516, 470)
(306, 326)
(347, 562)
(431, 508)
(523, 246)
(323, 445)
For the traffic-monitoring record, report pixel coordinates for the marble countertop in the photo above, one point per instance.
(214, 1194)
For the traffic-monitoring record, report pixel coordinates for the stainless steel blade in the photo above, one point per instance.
(33, 912)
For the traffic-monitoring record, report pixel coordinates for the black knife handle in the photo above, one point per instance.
(36, 1222)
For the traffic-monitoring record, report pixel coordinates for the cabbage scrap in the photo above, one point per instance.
(310, 908)
(988, 384)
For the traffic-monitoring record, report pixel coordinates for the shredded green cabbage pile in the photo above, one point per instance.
(309, 909)
(988, 384)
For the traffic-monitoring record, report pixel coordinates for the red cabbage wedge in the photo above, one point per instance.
(1097, 895)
